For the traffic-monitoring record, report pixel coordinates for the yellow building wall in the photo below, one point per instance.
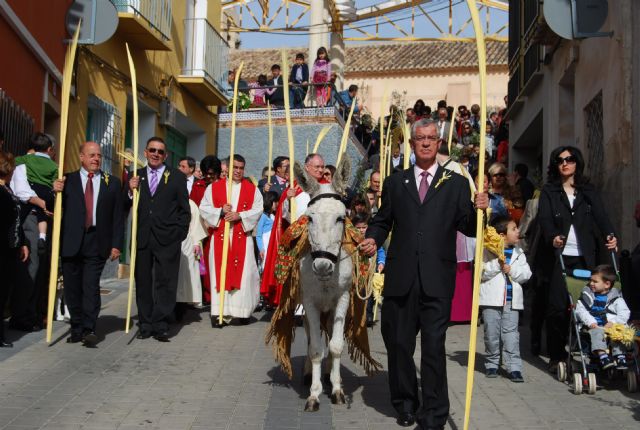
(156, 75)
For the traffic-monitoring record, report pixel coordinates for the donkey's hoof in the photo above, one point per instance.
(312, 405)
(337, 398)
(306, 380)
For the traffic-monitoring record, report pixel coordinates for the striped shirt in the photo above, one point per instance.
(508, 253)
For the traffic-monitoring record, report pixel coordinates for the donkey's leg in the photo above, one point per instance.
(315, 354)
(306, 371)
(336, 344)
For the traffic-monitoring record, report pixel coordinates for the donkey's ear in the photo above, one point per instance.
(307, 182)
(343, 173)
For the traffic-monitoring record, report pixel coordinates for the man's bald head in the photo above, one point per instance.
(314, 165)
(91, 156)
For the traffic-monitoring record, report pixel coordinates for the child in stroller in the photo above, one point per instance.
(599, 307)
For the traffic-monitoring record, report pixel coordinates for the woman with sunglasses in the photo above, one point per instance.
(574, 224)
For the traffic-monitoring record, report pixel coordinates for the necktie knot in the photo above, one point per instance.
(90, 175)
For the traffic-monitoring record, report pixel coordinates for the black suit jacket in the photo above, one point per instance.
(275, 185)
(423, 235)
(108, 212)
(166, 214)
(277, 98)
(305, 73)
(588, 217)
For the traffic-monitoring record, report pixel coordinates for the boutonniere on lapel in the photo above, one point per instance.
(106, 179)
(166, 176)
(446, 175)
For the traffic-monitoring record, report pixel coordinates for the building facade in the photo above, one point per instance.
(31, 74)
(180, 60)
(582, 92)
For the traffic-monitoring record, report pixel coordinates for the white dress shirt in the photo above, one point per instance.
(431, 171)
(20, 183)
(84, 177)
(190, 180)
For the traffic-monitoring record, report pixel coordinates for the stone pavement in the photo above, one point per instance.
(226, 379)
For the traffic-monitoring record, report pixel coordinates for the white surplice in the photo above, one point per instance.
(237, 303)
(189, 284)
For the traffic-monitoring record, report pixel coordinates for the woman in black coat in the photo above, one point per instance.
(12, 243)
(574, 224)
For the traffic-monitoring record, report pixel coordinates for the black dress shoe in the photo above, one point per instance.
(74, 338)
(162, 336)
(89, 338)
(143, 335)
(5, 344)
(406, 419)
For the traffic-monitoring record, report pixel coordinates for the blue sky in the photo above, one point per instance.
(437, 9)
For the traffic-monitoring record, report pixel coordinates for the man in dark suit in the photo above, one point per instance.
(92, 232)
(163, 223)
(280, 180)
(422, 207)
(275, 95)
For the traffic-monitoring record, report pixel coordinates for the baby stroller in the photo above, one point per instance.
(578, 366)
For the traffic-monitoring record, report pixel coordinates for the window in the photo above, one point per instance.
(595, 140)
(103, 127)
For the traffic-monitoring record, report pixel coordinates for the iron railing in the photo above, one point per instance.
(157, 13)
(16, 125)
(207, 53)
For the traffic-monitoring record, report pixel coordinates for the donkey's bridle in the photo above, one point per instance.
(325, 254)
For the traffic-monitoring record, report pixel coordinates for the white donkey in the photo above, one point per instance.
(325, 277)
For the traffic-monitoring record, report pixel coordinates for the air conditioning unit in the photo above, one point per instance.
(167, 113)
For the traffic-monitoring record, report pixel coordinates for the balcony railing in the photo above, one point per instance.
(207, 53)
(156, 13)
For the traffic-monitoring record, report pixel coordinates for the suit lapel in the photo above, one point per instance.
(409, 182)
(432, 187)
(161, 179)
(102, 191)
(144, 182)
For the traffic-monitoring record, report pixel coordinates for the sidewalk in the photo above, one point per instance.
(227, 379)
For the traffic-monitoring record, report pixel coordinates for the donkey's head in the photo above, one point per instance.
(326, 214)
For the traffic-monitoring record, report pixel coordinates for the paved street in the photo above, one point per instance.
(226, 379)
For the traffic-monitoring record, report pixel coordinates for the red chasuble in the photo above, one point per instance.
(237, 236)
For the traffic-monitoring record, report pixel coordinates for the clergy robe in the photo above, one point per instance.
(241, 298)
(189, 285)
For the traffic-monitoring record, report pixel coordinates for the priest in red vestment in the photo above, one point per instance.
(242, 210)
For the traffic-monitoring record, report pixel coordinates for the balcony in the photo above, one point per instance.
(206, 61)
(145, 24)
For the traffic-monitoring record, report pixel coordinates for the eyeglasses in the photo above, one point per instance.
(429, 138)
(500, 175)
(569, 160)
(154, 150)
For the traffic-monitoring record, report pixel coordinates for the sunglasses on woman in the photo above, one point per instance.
(569, 160)
(500, 175)
(154, 150)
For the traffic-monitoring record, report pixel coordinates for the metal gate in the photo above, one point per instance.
(104, 128)
(16, 125)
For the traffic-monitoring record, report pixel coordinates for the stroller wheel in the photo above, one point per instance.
(561, 372)
(577, 384)
(593, 386)
(632, 381)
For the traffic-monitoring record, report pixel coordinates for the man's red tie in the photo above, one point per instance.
(424, 186)
(88, 201)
